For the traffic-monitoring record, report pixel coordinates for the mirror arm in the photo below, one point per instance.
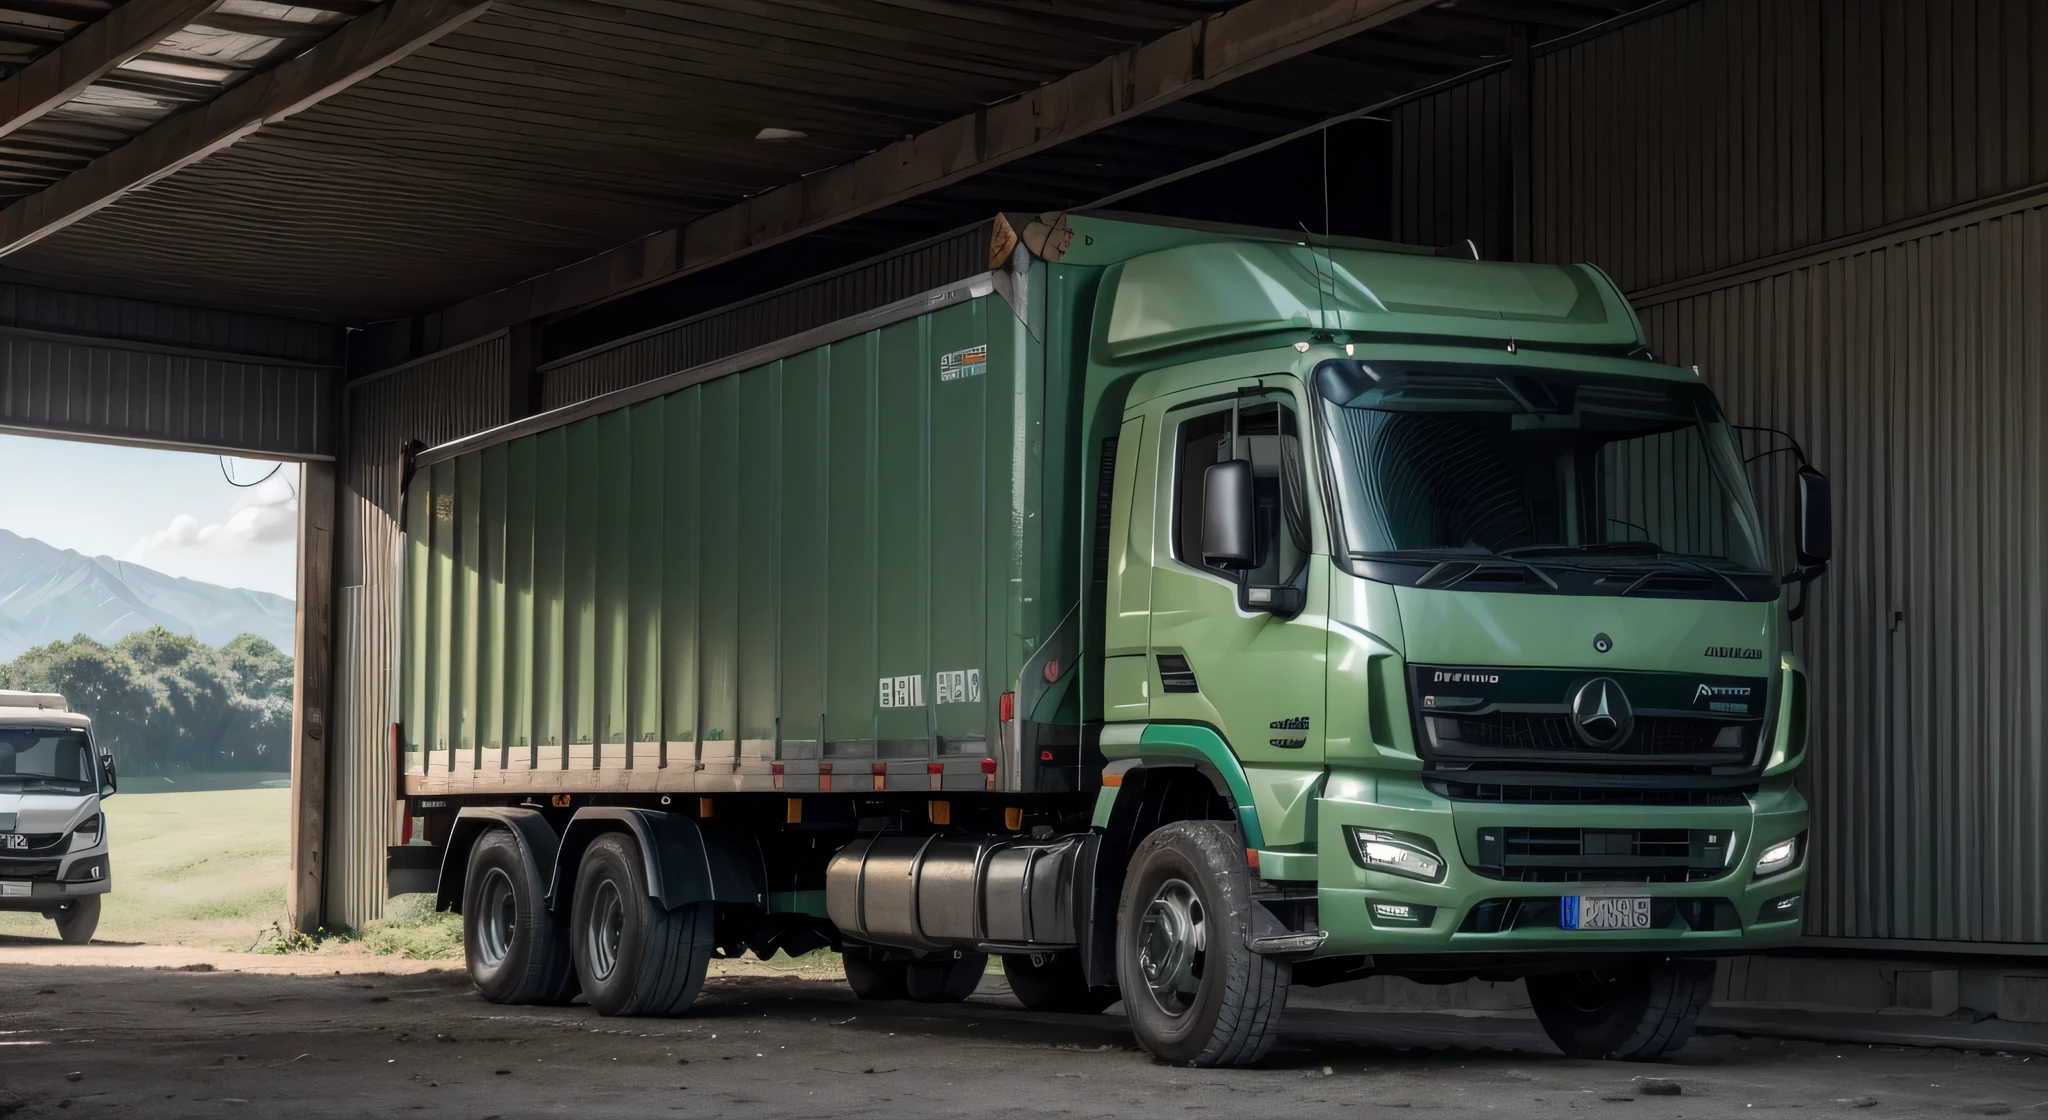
(1803, 578)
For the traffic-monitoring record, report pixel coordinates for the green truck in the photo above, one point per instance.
(1179, 612)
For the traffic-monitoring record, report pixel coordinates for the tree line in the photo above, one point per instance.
(164, 702)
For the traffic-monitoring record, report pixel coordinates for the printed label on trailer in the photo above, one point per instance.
(963, 363)
(903, 692)
(959, 686)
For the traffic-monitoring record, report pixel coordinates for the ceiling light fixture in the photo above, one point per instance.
(773, 134)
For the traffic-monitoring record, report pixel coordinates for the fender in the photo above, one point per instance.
(536, 839)
(684, 863)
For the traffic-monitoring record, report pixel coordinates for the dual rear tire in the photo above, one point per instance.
(932, 980)
(627, 953)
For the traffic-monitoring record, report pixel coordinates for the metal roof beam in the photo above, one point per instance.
(90, 55)
(1196, 57)
(359, 49)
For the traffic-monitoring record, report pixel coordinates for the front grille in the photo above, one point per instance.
(37, 842)
(1501, 735)
(1588, 795)
(26, 868)
(1502, 915)
(1572, 855)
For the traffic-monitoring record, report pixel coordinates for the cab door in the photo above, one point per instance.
(1254, 672)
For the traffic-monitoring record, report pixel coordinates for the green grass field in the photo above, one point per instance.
(202, 868)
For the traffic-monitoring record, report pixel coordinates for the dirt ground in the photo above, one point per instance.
(319, 1037)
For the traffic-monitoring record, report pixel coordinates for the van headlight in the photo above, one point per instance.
(1778, 857)
(1397, 853)
(87, 834)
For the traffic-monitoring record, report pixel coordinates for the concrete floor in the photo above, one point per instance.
(149, 1042)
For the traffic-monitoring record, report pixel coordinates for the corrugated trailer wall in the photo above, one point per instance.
(757, 322)
(1828, 205)
(434, 399)
(809, 565)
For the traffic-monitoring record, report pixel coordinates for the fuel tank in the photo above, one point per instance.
(974, 892)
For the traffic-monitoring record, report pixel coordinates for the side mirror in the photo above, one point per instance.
(1816, 519)
(1227, 537)
(108, 782)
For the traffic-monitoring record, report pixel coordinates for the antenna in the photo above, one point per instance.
(1322, 331)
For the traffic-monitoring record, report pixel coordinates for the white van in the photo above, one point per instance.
(53, 837)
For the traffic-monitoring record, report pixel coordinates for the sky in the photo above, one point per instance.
(168, 510)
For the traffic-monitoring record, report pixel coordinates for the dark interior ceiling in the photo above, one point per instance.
(546, 131)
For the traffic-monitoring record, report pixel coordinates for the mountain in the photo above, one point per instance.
(48, 593)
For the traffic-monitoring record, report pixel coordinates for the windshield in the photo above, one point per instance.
(1440, 461)
(50, 759)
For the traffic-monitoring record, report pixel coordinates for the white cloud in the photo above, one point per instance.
(264, 514)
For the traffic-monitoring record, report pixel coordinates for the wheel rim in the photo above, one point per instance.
(497, 917)
(607, 925)
(1173, 942)
(1590, 992)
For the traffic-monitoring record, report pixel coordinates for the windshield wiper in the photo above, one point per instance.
(52, 785)
(1608, 548)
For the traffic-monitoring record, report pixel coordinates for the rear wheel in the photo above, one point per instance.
(1055, 982)
(78, 918)
(873, 978)
(1193, 989)
(515, 951)
(632, 956)
(1635, 1012)
(945, 979)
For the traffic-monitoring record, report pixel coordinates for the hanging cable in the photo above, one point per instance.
(246, 485)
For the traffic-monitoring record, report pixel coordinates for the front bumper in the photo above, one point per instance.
(35, 882)
(1471, 912)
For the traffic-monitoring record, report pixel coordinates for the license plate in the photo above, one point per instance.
(14, 890)
(13, 840)
(1604, 911)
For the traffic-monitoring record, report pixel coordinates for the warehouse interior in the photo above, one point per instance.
(322, 230)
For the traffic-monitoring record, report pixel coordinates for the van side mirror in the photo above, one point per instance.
(1816, 519)
(107, 780)
(1227, 537)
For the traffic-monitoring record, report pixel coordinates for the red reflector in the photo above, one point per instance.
(823, 768)
(934, 767)
(880, 768)
(988, 765)
(1251, 857)
(775, 768)
(1045, 756)
(1008, 707)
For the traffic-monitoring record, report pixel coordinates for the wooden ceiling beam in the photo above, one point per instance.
(90, 55)
(1188, 60)
(359, 49)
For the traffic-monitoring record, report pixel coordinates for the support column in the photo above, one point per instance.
(1521, 122)
(312, 692)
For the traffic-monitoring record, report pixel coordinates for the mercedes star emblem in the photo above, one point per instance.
(1601, 715)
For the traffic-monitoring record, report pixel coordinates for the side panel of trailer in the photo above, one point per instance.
(818, 573)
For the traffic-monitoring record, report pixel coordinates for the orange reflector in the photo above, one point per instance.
(1013, 818)
(881, 772)
(1112, 780)
(1251, 858)
(825, 776)
(704, 807)
(940, 812)
(559, 801)
(796, 810)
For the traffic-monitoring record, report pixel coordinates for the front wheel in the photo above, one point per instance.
(1635, 1012)
(78, 918)
(1193, 989)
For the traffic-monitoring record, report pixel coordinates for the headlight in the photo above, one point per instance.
(1397, 853)
(87, 834)
(1778, 857)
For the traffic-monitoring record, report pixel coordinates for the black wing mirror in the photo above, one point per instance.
(107, 780)
(1816, 519)
(1227, 534)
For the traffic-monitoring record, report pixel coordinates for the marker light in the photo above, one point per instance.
(1778, 857)
(1397, 853)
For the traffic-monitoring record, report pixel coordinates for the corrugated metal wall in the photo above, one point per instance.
(139, 372)
(1828, 205)
(433, 400)
(756, 322)
(1913, 373)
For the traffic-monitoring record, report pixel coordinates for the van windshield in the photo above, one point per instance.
(1439, 460)
(50, 759)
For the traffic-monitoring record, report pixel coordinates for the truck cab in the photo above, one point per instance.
(1465, 609)
(53, 836)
